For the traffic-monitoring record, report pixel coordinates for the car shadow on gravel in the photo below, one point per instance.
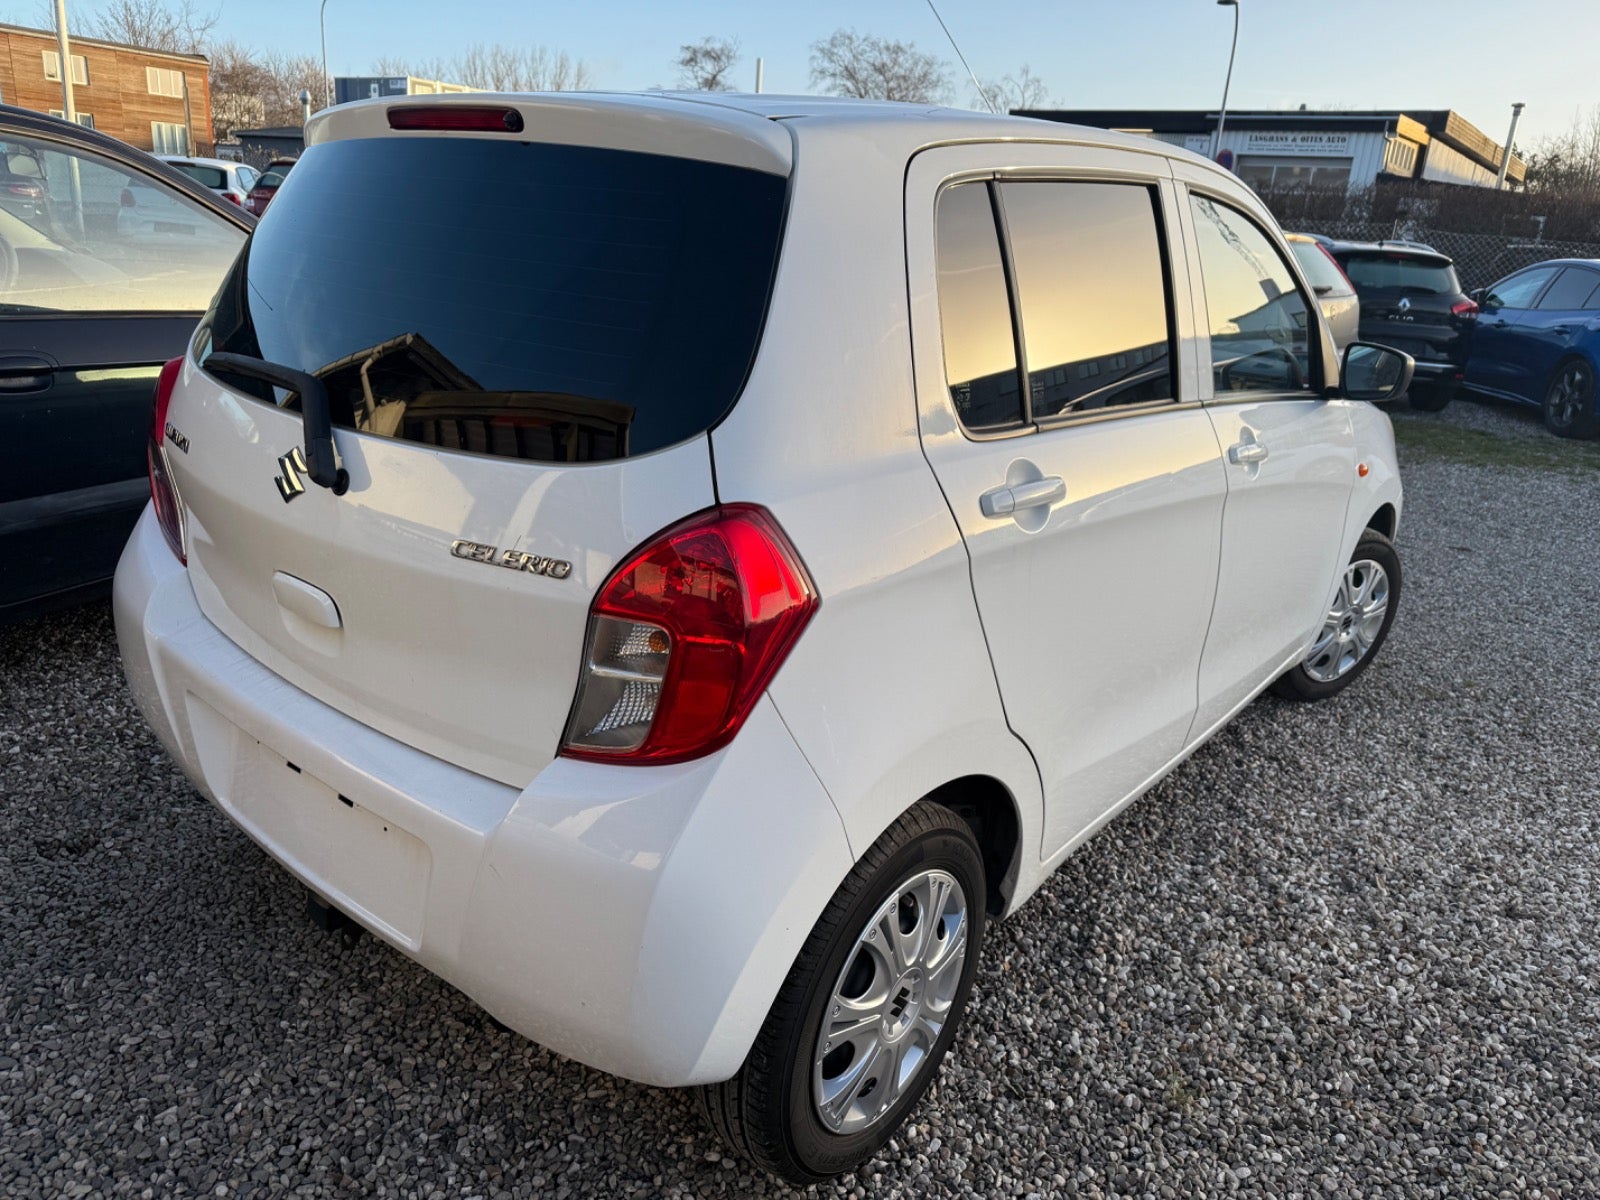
(1346, 949)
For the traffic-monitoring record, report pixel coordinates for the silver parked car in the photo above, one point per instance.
(1335, 294)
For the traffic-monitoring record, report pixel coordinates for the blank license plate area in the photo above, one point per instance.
(362, 862)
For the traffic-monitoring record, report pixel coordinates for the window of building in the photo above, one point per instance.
(980, 350)
(166, 138)
(1262, 172)
(84, 119)
(1091, 293)
(1571, 290)
(52, 68)
(1258, 319)
(160, 81)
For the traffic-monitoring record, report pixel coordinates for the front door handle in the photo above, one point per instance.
(1561, 330)
(1245, 453)
(1003, 501)
(25, 373)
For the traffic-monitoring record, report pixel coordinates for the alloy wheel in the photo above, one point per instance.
(1354, 622)
(1569, 395)
(891, 1002)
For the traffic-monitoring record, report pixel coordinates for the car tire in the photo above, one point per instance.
(1356, 627)
(1431, 397)
(772, 1111)
(1569, 401)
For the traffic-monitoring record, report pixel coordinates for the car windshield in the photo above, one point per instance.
(272, 179)
(591, 304)
(211, 177)
(1402, 272)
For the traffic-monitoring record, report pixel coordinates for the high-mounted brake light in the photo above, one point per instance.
(685, 636)
(472, 118)
(1464, 308)
(163, 492)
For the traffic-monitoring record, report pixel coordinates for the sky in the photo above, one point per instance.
(1475, 56)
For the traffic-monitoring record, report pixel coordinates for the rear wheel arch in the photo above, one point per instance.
(990, 810)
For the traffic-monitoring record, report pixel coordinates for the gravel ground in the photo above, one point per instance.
(1345, 951)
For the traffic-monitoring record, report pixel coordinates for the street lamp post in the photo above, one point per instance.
(327, 84)
(1222, 117)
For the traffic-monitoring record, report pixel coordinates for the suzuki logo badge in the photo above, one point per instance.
(293, 466)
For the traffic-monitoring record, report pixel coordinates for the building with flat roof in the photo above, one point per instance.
(148, 98)
(1350, 150)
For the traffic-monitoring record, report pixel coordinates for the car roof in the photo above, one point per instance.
(193, 161)
(1392, 249)
(744, 128)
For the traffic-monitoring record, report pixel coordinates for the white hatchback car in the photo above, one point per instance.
(230, 180)
(680, 594)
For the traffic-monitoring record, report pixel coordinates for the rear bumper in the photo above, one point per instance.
(639, 920)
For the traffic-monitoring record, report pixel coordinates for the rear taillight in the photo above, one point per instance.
(1464, 308)
(163, 492)
(685, 636)
(231, 198)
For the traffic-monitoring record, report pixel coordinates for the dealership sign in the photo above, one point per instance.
(1297, 143)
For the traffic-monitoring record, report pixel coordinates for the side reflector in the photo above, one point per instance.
(473, 118)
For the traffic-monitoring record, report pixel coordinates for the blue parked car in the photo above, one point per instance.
(1538, 342)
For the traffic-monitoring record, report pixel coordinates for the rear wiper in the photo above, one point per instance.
(322, 459)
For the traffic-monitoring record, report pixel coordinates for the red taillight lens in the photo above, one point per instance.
(163, 492)
(685, 636)
(473, 118)
(230, 198)
(1464, 308)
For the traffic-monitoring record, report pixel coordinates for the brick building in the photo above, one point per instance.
(151, 99)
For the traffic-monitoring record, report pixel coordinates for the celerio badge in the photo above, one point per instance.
(511, 560)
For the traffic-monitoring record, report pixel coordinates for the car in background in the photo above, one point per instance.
(1336, 295)
(230, 180)
(267, 186)
(1411, 300)
(92, 302)
(1538, 342)
(22, 185)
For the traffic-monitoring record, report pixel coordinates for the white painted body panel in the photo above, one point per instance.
(558, 893)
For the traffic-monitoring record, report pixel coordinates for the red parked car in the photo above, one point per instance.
(267, 186)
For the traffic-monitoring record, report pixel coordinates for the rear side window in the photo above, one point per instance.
(1402, 273)
(543, 302)
(980, 351)
(1092, 294)
(1571, 290)
(1259, 321)
(1321, 272)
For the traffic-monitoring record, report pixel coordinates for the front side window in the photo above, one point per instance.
(90, 235)
(1091, 293)
(980, 351)
(1571, 290)
(1519, 290)
(1260, 323)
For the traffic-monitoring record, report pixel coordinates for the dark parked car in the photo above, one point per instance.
(1538, 342)
(267, 186)
(92, 302)
(1412, 300)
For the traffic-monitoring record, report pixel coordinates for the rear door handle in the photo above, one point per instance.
(1562, 330)
(25, 373)
(1245, 453)
(1003, 501)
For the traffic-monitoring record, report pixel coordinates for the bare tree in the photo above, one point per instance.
(1022, 90)
(1568, 164)
(179, 28)
(240, 84)
(848, 63)
(704, 66)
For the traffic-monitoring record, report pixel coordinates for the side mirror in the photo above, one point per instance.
(1478, 294)
(1374, 373)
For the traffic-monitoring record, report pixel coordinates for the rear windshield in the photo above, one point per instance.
(1424, 276)
(273, 178)
(211, 177)
(1320, 271)
(553, 303)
